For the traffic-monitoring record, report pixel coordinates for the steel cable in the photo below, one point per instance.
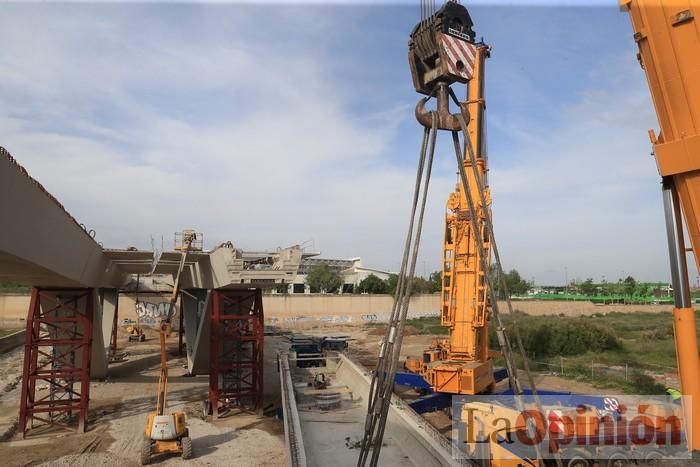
(382, 385)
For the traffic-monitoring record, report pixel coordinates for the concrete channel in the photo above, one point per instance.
(326, 420)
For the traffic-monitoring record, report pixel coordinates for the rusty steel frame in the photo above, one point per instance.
(57, 351)
(236, 352)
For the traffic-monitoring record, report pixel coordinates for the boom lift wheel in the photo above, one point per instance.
(186, 446)
(578, 461)
(146, 451)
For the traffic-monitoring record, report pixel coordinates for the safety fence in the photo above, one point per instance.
(627, 371)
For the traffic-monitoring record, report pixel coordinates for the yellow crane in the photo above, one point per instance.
(461, 363)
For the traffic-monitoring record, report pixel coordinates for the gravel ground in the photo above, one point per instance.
(118, 411)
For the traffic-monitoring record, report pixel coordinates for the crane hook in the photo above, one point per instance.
(446, 120)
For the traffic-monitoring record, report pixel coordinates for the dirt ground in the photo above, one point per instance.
(118, 412)
(120, 404)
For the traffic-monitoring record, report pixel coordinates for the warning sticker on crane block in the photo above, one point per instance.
(457, 56)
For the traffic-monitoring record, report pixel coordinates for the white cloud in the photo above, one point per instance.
(582, 196)
(144, 126)
(288, 164)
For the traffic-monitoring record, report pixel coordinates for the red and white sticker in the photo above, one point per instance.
(460, 55)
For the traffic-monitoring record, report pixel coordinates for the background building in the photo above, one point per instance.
(350, 270)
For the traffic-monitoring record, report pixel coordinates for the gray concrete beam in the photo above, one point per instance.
(40, 237)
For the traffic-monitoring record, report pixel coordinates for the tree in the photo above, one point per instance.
(587, 287)
(629, 285)
(435, 281)
(643, 290)
(420, 285)
(516, 284)
(391, 283)
(372, 285)
(322, 279)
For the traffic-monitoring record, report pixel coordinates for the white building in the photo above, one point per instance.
(351, 271)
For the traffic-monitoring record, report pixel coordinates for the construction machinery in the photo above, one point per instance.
(442, 52)
(668, 36)
(168, 433)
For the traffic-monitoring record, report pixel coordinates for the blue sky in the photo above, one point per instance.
(271, 125)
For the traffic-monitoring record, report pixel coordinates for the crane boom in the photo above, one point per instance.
(668, 36)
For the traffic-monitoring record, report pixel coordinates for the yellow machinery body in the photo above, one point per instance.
(461, 364)
(173, 445)
(667, 33)
(168, 433)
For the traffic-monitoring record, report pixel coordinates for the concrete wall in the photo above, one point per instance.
(13, 307)
(356, 309)
(290, 309)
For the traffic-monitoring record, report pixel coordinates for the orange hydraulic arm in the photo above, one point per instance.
(668, 35)
(188, 238)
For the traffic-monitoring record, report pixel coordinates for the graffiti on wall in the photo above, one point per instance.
(151, 313)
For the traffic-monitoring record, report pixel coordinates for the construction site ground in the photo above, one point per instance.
(120, 404)
(118, 411)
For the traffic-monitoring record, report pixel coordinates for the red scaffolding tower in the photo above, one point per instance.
(57, 357)
(236, 352)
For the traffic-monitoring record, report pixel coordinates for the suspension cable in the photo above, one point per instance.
(382, 386)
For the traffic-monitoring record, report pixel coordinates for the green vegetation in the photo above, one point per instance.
(514, 282)
(372, 284)
(619, 351)
(8, 287)
(627, 290)
(322, 279)
(420, 285)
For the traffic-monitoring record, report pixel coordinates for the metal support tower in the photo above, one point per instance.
(236, 353)
(57, 353)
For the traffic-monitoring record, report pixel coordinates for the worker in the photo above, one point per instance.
(674, 394)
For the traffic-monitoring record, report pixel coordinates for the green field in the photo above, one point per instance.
(624, 349)
(8, 287)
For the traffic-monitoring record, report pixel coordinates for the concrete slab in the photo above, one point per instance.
(333, 424)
